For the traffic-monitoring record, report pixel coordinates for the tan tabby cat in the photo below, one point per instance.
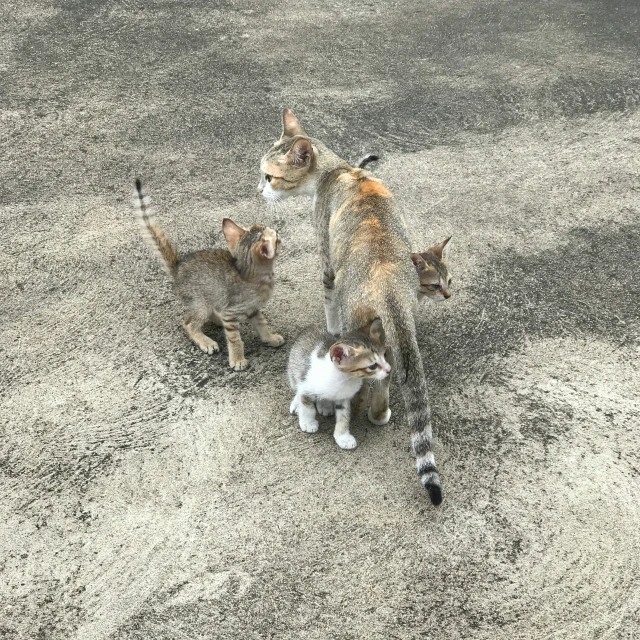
(367, 266)
(224, 287)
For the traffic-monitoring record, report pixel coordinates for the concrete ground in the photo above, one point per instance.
(149, 492)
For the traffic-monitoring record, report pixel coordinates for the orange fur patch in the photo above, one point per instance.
(367, 235)
(383, 270)
(372, 187)
(348, 176)
(338, 214)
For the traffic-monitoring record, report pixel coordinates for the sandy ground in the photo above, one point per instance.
(149, 492)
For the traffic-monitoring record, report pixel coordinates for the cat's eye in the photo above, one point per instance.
(267, 177)
(434, 287)
(449, 283)
(373, 367)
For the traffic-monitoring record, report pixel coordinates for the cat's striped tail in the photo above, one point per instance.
(399, 328)
(152, 232)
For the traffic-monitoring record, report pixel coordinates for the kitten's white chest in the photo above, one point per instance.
(325, 380)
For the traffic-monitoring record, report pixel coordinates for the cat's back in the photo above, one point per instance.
(205, 264)
(207, 274)
(310, 339)
(362, 217)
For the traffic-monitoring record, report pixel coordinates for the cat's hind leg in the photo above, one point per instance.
(193, 326)
(330, 304)
(379, 412)
(307, 414)
(341, 432)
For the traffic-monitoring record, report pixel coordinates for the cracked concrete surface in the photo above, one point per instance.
(150, 492)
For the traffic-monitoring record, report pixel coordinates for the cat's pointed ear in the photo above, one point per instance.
(291, 125)
(301, 153)
(339, 353)
(376, 331)
(232, 233)
(418, 262)
(441, 251)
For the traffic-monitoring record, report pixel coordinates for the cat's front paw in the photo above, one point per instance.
(208, 345)
(238, 365)
(379, 420)
(275, 340)
(309, 425)
(325, 407)
(346, 441)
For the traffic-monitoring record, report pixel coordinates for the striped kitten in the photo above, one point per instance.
(432, 265)
(324, 368)
(219, 286)
(367, 268)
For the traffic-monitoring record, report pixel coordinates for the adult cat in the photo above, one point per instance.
(367, 267)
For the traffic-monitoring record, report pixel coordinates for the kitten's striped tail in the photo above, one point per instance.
(366, 160)
(152, 233)
(399, 327)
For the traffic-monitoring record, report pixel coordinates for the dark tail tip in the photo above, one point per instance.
(435, 493)
(139, 186)
(367, 159)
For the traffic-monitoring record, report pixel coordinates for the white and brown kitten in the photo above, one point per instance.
(219, 286)
(323, 368)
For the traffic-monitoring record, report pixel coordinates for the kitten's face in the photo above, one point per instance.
(258, 241)
(433, 270)
(361, 355)
(285, 170)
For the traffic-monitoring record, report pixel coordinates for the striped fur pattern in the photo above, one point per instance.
(432, 267)
(325, 368)
(220, 286)
(152, 233)
(368, 272)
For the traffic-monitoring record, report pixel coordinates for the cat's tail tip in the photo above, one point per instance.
(139, 186)
(435, 494)
(430, 479)
(371, 157)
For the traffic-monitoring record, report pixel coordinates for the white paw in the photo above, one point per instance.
(293, 407)
(346, 441)
(325, 407)
(209, 346)
(275, 340)
(384, 420)
(239, 365)
(309, 426)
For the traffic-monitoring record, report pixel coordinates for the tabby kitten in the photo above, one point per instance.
(323, 368)
(433, 272)
(367, 268)
(219, 286)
